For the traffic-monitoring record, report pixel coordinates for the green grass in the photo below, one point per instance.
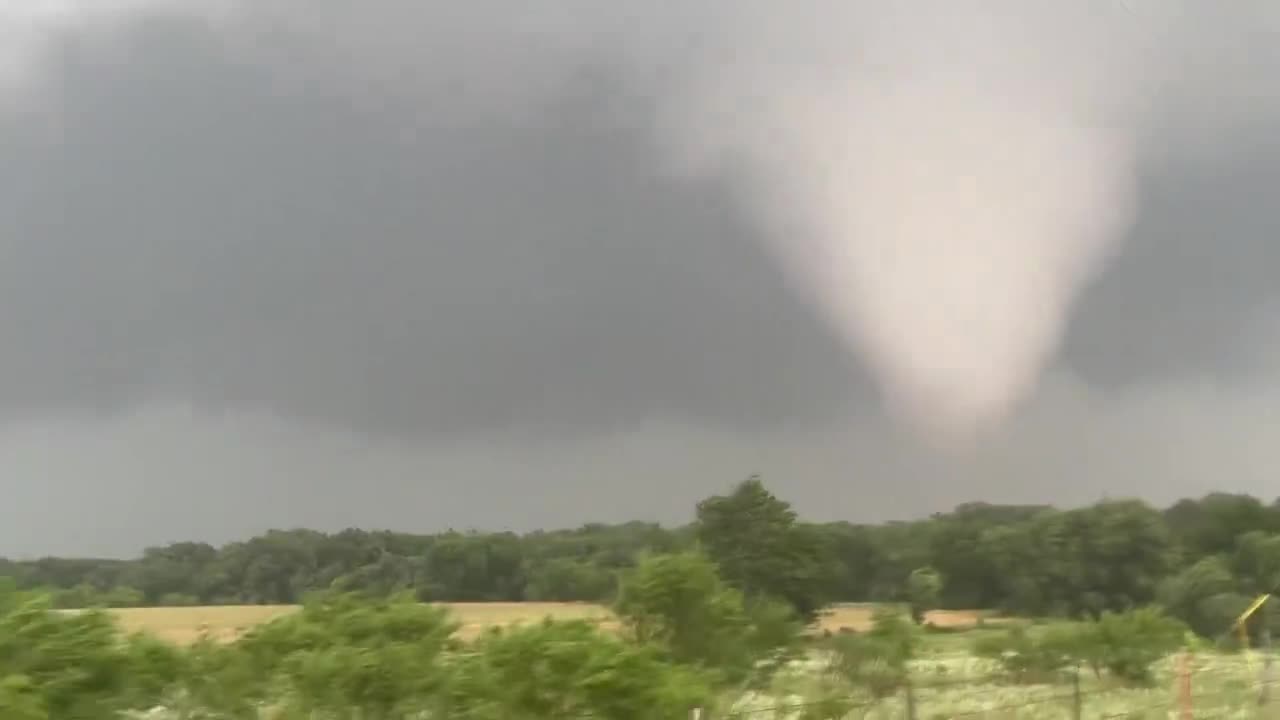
(950, 682)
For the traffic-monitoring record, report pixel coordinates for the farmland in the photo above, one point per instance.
(949, 680)
(183, 625)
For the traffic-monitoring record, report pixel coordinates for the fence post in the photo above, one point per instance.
(695, 714)
(911, 701)
(1077, 699)
(1264, 683)
(1184, 684)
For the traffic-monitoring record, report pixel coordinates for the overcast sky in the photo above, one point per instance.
(403, 265)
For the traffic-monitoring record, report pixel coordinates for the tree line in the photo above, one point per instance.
(1203, 559)
(685, 638)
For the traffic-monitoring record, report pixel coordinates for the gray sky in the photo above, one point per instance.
(418, 267)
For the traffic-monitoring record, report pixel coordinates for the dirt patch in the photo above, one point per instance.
(858, 618)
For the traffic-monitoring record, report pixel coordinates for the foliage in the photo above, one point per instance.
(75, 665)
(1124, 645)
(1127, 644)
(220, 681)
(761, 549)
(1203, 595)
(20, 699)
(342, 656)
(343, 651)
(350, 656)
(1202, 559)
(570, 669)
(876, 662)
(1032, 658)
(924, 587)
(707, 611)
(680, 603)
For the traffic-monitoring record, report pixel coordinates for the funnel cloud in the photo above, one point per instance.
(942, 182)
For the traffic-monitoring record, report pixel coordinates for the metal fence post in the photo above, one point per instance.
(911, 701)
(1264, 683)
(1184, 685)
(1077, 699)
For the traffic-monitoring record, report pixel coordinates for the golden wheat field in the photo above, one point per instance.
(186, 624)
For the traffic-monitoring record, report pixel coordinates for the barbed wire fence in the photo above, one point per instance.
(1251, 697)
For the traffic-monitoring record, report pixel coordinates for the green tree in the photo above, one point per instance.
(569, 580)
(1256, 562)
(859, 562)
(761, 549)
(1210, 525)
(1082, 562)
(1203, 596)
(680, 603)
(474, 568)
(924, 588)
(1127, 644)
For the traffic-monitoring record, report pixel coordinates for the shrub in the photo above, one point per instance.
(876, 661)
(1124, 645)
(679, 603)
(569, 669)
(1127, 644)
(1032, 658)
(20, 699)
(73, 664)
(343, 653)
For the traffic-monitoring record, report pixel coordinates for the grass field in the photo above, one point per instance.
(951, 683)
(186, 624)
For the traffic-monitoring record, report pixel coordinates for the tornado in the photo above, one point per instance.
(940, 179)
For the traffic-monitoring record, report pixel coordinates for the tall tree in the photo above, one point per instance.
(760, 548)
(924, 587)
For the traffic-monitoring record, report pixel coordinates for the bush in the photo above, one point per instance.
(679, 603)
(1204, 597)
(20, 699)
(1032, 658)
(343, 652)
(877, 661)
(566, 670)
(1124, 645)
(1127, 644)
(74, 665)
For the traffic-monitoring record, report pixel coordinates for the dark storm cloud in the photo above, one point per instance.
(395, 264)
(232, 229)
(1198, 276)
(257, 229)
(1194, 288)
